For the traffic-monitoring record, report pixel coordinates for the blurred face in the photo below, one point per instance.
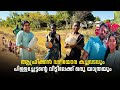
(53, 28)
(76, 27)
(112, 43)
(102, 32)
(26, 27)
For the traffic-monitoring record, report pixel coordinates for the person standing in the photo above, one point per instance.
(74, 43)
(53, 43)
(22, 40)
(16, 30)
(112, 56)
(95, 48)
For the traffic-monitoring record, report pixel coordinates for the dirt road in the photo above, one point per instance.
(9, 61)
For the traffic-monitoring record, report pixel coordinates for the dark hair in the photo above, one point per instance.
(77, 22)
(21, 28)
(103, 24)
(23, 22)
(17, 26)
(108, 49)
(54, 25)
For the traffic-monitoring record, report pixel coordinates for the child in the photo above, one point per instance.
(3, 39)
(10, 45)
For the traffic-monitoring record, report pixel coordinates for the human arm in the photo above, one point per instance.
(19, 41)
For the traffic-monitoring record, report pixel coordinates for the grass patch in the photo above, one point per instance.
(40, 49)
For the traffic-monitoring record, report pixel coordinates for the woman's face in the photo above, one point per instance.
(26, 27)
(112, 43)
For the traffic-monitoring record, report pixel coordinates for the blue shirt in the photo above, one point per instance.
(96, 48)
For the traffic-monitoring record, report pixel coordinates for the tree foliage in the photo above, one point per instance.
(38, 19)
(97, 18)
(117, 17)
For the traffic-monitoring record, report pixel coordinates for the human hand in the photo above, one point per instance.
(72, 46)
(29, 49)
(67, 46)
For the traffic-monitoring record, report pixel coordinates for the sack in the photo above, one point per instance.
(70, 41)
(33, 43)
(48, 45)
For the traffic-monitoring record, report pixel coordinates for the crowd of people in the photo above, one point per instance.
(10, 45)
(103, 46)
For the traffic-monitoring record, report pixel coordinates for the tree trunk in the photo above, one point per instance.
(66, 24)
(39, 24)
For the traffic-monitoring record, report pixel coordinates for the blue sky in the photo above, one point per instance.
(102, 14)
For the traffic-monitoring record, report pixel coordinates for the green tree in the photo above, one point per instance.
(37, 19)
(89, 17)
(107, 20)
(80, 15)
(117, 16)
(97, 18)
